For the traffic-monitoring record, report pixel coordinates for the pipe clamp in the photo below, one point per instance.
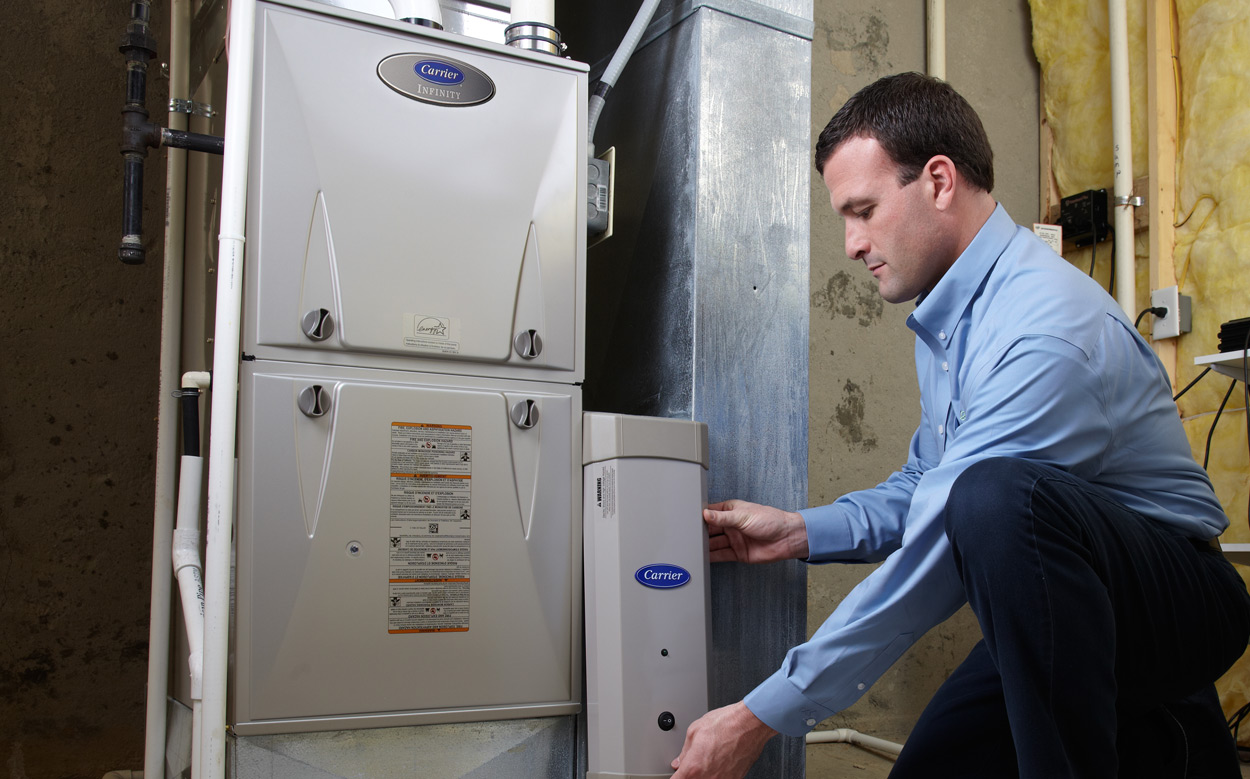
(178, 106)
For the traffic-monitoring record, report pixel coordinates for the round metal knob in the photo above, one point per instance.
(314, 401)
(528, 344)
(317, 324)
(525, 414)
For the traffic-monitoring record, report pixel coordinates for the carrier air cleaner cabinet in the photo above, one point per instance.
(409, 536)
(647, 593)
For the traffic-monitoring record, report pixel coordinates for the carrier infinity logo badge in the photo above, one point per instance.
(662, 576)
(436, 80)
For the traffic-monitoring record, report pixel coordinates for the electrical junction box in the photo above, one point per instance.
(647, 590)
(1083, 217)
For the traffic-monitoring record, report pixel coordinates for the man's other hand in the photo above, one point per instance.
(750, 533)
(722, 744)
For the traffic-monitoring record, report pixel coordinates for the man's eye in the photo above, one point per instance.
(867, 212)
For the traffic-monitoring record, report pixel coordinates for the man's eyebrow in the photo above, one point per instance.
(854, 203)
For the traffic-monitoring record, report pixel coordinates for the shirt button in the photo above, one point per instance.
(946, 366)
(811, 722)
(859, 686)
(942, 335)
(941, 429)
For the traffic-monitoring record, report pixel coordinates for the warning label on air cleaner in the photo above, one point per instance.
(431, 512)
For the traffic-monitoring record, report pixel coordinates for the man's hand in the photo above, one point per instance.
(722, 744)
(750, 533)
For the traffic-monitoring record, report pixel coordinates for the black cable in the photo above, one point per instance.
(1158, 311)
(1190, 385)
(1245, 386)
(1111, 280)
(1210, 433)
(1093, 247)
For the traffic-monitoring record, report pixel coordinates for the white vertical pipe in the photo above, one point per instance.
(226, 336)
(935, 38)
(187, 569)
(1122, 140)
(541, 11)
(167, 404)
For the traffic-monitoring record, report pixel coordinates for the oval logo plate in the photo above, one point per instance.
(662, 576)
(436, 80)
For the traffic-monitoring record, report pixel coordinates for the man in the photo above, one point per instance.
(1049, 485)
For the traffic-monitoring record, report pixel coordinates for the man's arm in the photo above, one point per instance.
(742, 532)
(722, 744)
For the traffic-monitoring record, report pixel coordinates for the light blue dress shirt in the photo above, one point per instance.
(1018, 354)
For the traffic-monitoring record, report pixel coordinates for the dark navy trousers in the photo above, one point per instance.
(1103, 632)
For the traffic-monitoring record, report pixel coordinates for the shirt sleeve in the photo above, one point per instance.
(867, 526)
(1038, 399)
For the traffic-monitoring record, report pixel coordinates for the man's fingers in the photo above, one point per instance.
(719, 519)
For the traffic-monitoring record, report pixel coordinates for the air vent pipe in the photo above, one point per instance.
(533, 27)
(425, 13)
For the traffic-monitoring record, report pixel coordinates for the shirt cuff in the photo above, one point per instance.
(828, 534)
(780, 706)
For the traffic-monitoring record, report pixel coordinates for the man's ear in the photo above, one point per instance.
(941, 172)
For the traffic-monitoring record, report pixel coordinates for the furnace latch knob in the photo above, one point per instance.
(317, 324)
(314, 401)
(528, 344)
(525, 414)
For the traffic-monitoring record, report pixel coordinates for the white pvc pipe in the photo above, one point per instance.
(224, 413)
(186, 556)
(1122, 141)
(188, 570)
(167, 404)
(540, 11)
(848, 736)
(418, 9)
(935, 38)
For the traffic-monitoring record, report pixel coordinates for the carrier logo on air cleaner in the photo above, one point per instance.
(662, 576)
(437, 72)
(436, 80)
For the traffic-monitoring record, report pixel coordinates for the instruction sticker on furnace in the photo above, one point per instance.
(605, 492)
(432, 333)
(430, 530)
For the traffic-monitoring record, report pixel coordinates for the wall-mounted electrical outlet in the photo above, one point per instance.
(1179, 317)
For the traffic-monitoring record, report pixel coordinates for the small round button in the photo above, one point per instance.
(667, 721)
(811, 722)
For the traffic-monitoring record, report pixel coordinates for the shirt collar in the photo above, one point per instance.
(940, 309)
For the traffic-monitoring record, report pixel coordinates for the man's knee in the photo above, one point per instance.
(988, 499)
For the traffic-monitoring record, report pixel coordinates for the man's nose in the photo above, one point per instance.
(856, 242)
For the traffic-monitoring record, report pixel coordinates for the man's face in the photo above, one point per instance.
(892, 228)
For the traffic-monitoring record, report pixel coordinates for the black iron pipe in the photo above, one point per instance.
(180, 139)
(131, 251)
(139, 135)
(190, 398)
(140, 48)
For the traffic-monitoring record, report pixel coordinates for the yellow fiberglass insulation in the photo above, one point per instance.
(1212, 255)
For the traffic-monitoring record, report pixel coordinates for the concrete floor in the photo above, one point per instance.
(846, 761)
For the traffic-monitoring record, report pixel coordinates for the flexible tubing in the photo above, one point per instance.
(617, 63)
(224, 407)
(167, 405)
